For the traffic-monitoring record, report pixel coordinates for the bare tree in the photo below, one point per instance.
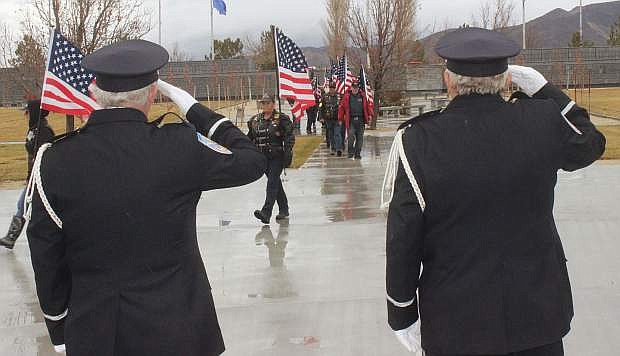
(178, 55)
(7, 45)
(335, 29)
(90, 24)
(494, 14)
(387, 30)
(262, 50)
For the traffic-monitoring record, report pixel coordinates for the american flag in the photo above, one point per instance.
(65, 87)
(370, 94)
(316, 87)
(344, 77)
(293, 80)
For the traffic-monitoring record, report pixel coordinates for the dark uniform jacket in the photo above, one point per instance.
(124, 276)
(329, 106)
(494, 277)
(273, 136)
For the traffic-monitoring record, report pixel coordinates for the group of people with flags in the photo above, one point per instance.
(345, 102)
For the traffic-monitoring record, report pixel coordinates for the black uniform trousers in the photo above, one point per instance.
(311, 114)
(356, 136)
(555, 349)
(275, 190)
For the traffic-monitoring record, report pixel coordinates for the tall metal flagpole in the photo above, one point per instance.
(581, 21)
(368, 29)
(524, 45)
(159, 24)
(212, 37)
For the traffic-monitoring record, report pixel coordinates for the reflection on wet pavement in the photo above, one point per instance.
(314, 285)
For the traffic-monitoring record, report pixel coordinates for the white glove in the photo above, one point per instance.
(410, 338)
(527, 78)
(60, 349)
(179, 96)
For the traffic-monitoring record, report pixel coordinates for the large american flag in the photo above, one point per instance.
(368, 92)
(65, 87)
(344, 77)
(293, 80)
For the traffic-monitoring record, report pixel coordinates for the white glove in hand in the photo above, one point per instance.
(410, 338)
(60, 349)
(527, 78)
(179, 96)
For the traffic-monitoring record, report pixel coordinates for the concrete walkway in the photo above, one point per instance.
(316, 285)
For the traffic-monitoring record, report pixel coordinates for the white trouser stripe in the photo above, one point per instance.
(215, 126)
(56, 317)
(399, 304)
(565, 111)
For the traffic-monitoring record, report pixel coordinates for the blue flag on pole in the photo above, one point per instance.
(220, 6)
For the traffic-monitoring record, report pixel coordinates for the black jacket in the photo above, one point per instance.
(124, 276)
(274, 136)
(37, 135)
(494, 278)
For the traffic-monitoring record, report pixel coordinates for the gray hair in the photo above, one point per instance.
(478, 85)
(106, 99)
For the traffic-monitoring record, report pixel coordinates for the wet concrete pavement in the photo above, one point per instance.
(315, 286)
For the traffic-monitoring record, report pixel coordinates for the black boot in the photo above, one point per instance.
(262, 217)
(282, 215)
(15, 229)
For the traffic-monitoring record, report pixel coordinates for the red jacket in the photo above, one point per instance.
(344, 111)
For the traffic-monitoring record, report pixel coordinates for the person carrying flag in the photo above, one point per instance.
(39, 133)
(355, 115)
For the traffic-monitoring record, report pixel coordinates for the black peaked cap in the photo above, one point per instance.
(477, 52)
(127, 65)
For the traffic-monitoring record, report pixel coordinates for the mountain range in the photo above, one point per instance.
(552, 30)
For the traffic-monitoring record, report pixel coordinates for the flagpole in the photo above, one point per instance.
(212, 37)
(159, 24)
(275, 50)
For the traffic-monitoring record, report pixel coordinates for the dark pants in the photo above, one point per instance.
(334, 135)
(275, 191)
(555, 349)
(311, 114)
(356, 137)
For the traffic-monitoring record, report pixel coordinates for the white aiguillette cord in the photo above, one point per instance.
(35, 182)
(397, 154)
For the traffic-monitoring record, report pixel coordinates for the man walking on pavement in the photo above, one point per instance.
(272, 132)
(354, 113)
(329, 114)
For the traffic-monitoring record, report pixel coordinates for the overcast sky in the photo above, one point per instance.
(187, 21)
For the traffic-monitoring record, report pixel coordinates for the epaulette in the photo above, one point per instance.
(65, 136)
(518, 95)
(425, 116)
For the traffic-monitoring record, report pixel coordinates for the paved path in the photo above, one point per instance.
(316, 286)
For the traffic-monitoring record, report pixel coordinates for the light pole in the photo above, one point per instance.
(524, 46)
(159, 24)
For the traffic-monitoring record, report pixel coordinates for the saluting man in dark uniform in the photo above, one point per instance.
(272, 132)
(113, 217)
(473, 190)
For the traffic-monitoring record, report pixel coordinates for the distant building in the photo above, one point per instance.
(232, 79)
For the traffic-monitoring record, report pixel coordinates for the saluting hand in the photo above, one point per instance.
(410, 338)
(179, 96)
(527, 78)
